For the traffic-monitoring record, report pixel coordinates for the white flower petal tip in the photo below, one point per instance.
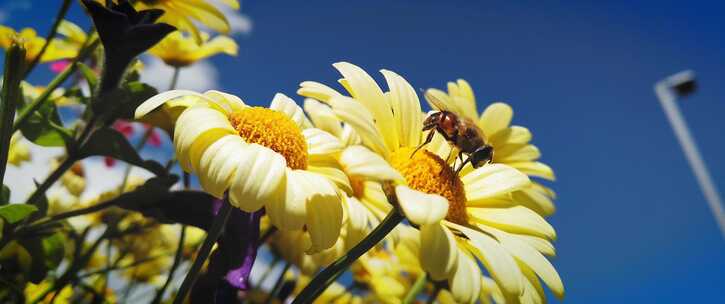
(358, 160)
(159, 99)
(438, 251)
(496, 117)
(282, 103)
(492, 180)
(219, 164)
(260, 174)
(466, 281)
(321, 143)
(421, 208)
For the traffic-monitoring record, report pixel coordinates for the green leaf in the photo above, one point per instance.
(90, 76)
(111, 143)
(45, 128)
(14, 213)
(54, 249)
(4, 195)
(123, 101)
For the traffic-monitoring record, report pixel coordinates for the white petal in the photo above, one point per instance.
(228, 102)
(535, 200)
(492, 180)
(359, 118)
(495, 117)
(260, 178)
(516, 135)
(321, 143)
(438, 251)
(349, 137)
(516, 219)
(540, 244)
(406, 109)
(196, 129)
(322, 117)
(324, 212)
(357, 222)
(359, 161)
(290, 211)
(496, 259)
(317, 91)
(335, 175)
(161, 98)
(421, 208)
(466, 281)
(536, 169)
(525, 153)
(368, 93)
(534, 260)
(282, 103)
(218, 164)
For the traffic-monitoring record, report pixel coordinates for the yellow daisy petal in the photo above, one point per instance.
(438, 251)
(290, 211)
(360, 119)
(516, 219)
(537, 169)
(364, 89)
(495, 117)
(321, 143)
(191, 138)
(492, 180)
(359, 161)
(421, 208)
(282, 103)
(406, 107)
(219, 164)
(324, 212)
(159, 99)
(316, 90)
(465, 284)
(322, 117)
(260, 174)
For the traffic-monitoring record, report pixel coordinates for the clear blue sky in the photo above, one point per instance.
(632, 224)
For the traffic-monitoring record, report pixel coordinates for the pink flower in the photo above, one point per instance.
(125, 128)
(59, 66)
(154, 138)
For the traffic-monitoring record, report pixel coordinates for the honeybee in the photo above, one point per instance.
(459, 131)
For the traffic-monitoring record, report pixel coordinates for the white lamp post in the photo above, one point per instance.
(668, 90)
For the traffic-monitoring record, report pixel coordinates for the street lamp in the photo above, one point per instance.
(668, 90)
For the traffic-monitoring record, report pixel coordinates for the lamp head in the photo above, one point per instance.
(682, 83)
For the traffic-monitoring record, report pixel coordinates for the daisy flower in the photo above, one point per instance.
(262, 157)
(184, 13)
(57, 49)
(176, 50)
(508, 241)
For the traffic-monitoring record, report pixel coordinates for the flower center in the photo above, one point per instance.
(273, 130)
(428, 173)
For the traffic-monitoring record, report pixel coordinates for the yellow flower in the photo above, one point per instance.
(179, 51)
(31, 92)
(469, 224)
(511, 143)
(57, 49)
(19, 151)
(183, 13)
(261, 157)
(74, 180)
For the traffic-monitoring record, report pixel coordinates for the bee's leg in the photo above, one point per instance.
(450, 152)
(463, 164)
(427, 141)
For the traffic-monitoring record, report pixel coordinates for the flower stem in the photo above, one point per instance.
(53, 32)
(14, 59)
(332, 272)
(51, 179)
(415, 289)
(211, 238)
(177, 260)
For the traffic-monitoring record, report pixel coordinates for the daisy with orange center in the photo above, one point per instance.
(262, 157)
(459, 218)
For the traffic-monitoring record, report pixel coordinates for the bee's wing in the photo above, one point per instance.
(437, 98)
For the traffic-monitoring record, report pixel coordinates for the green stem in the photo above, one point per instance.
(52, 178)
(53, 32)
(177, 261)
(72, 213)
(332, 272)
(174, 78)
(216, 229)
(278, 284)
(138, 147)
(14, 60)
(415, 289)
